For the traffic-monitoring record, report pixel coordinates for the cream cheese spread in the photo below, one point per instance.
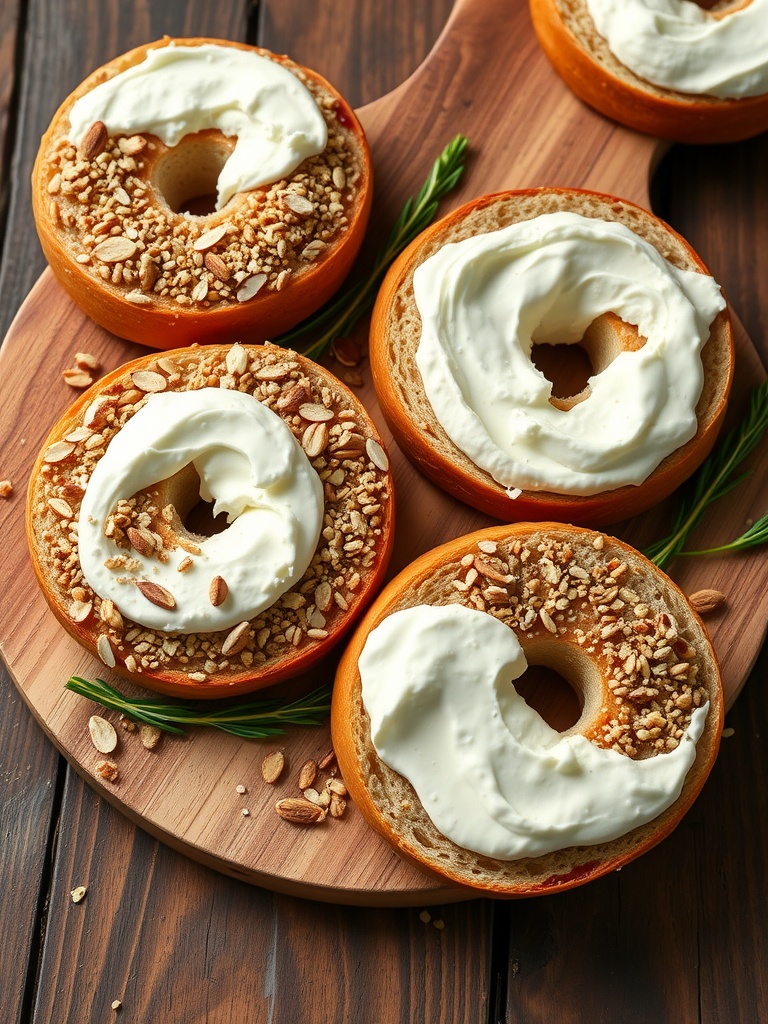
(250, 466)
(177, 90)
(678, 45)
(490, 773)
(485, 301)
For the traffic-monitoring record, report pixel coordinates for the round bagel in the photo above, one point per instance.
(395, 337)
(583, 59)
(116, 220)
(589, 607)
(150, 545)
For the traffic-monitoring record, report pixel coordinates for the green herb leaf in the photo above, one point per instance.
(337, 318)
(714, 479)
(251, 720)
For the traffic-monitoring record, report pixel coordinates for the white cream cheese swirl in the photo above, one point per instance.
(177, 90)
(491, 774)
(486, 300)
(678, 45)
(250, 466)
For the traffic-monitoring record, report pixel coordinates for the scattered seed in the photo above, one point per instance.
(301, 206)
(86, 361)
(299, 811)
(326, 760)
(308, 774)
(133, 145)
(94, 141)
(216, 265)
(706, 601)
(58, 451)
(251, 287)
(156, 594)
(314, 439)
(377, 455)
(272, 766)
(149, 381)
(237, 360)
(217, 592)
(105, 652)
(78, 893)
(77, 378)
(115, 249)
(149, 735)
(108, 771)
(209, 238)
(61, 507)
(315, 413)
(141, 540)
(103, 734)
(337, 806)
(236, 639)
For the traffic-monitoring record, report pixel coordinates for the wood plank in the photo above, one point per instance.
(174, 941)
(29, 765)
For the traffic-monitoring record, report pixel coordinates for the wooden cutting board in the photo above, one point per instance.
(486, 78)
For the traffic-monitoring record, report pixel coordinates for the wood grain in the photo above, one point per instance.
(519, 963)
(165, 792)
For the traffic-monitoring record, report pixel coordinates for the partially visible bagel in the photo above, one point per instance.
(586, 64)
(110, 226)
(305, 621)
(394, 340)
(650, 664)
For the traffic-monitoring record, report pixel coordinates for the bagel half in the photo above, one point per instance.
(394, 339)
(584, 61)
(304, 623)
(493, 571)
(145, 272)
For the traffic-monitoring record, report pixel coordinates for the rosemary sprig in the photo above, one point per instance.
(339, 316)
(252, 720)
(756, 535)
(714, 479)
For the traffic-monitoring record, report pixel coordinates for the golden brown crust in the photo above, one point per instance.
(304, 623)
(583, 60)
(156, 294)
(651, 652)
(394, 338)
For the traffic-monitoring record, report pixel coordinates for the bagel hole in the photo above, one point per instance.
(201, 521)
(551, 695)
(196, 516)
(568, 366)
(186, 175)
(561, 683)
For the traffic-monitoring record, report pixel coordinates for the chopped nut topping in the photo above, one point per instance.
(356, 511)
(217, 591)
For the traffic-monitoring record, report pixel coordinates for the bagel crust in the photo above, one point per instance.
(584, 61)
(109, 223)
(303, 623)
(394, 340)
(591, 608)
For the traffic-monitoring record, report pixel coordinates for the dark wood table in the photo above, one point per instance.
(678, 936)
